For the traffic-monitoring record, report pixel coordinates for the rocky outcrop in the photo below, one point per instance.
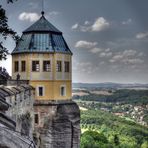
(61, 128)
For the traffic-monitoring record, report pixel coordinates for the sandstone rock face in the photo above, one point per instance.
(61, 128)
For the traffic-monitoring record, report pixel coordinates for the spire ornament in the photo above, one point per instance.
(42, 12)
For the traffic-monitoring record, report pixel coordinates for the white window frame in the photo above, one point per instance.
(64, 90)
(38, 90)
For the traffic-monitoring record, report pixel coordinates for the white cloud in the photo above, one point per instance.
(133, 61)
(75, 26)
(105, 54)
(127, 22)
(116, 58)
(85, 44)
(86, 23)
(107, 50)
(96, 50)
(142, 35)
(85, 28)
(82, 28)
(26, 16)
(127, 57)
(100, 24)
(130, 52)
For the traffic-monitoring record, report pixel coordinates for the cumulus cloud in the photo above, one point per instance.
(85, 44)
(107, 50)
(26, 16)
(95, 50)
(86, 23)
(133, 61)
(105, 54)
(130, 52)
(127, 57)
(127, 22)
(142, 35)
(99, 25)
(75, 26)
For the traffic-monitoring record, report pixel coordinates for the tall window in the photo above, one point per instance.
(16, 66)
(66, 66)
(35, 66)
(23, 66)
(46, 66)
(63, 91)
(36, 118)
(40, 91)
(59, 66)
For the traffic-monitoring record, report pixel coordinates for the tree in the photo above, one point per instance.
(5, 32)
(144, 145)
(116, 140)
(93, 139)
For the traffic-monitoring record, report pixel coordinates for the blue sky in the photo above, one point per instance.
(109, 38)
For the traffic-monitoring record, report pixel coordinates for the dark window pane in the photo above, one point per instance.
(35, 66)
(36, 118)
(23, 66)
(66, 66)
(62, 91)
(46, 66)
(59, 66)
(16, 66)
(40, 91)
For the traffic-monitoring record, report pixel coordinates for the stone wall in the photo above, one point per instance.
(12, 139)
(59, 125)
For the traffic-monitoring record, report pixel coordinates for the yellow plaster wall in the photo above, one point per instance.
(52, 81)
(53, 75)
(52, 89)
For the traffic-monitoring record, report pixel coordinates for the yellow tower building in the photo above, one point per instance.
(43, 57)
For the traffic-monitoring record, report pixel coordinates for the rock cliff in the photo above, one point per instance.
(61, 128)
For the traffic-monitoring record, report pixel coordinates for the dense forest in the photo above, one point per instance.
(121, 95)
(105, 130)
(113, 118)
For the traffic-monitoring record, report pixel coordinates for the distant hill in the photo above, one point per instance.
(110, 85)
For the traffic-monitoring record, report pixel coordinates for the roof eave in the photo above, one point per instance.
(44, 52)
(42, 31)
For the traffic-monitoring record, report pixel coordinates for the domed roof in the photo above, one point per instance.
(42, 36)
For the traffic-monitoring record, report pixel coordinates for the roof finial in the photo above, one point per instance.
(42, 8)
(42, 13)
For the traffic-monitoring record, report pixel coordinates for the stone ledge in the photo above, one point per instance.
(53, 103)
